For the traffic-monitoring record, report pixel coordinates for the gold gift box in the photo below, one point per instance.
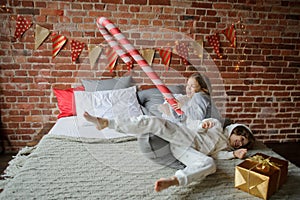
(261, 175)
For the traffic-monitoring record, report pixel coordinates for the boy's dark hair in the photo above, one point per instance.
(243, 131)
(201, 80)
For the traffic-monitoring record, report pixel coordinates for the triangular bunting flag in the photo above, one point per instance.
(165, 55)
(94, 52)
(41, 34)
(198, 48)
(22, 25)
(148, 55)
(129, 64)
(76, 49)
(58, 42)
(182, 51)
(112, 57)
(230, 34)
(214, 41)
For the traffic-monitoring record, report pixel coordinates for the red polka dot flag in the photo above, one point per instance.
(76, 49)
(22, 25)
(214, 41)
(182, 51)
(129, 64)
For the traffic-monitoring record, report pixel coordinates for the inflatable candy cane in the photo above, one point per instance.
(114, 37)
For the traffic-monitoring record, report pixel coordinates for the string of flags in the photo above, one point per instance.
(181, 48)
(214, 40)
(42, 33)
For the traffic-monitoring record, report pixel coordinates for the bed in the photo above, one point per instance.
(76, 161)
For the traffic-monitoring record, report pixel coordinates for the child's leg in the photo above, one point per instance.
(198, 165)
(142, 124)
(162, 128)
(100, 123)
(165, 183)
(158, 150)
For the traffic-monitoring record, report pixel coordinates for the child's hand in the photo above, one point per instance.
(240, 153)
(176, 105)
(164, 109)
(206, 124)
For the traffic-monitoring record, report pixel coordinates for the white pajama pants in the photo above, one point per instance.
(198, 165)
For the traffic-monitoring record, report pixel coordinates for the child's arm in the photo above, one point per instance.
(198, 107)
(240, 153)
(226, 155)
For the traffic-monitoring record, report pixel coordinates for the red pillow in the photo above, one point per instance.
(66, 101)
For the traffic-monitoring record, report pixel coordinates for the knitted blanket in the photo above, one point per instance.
(62, 167)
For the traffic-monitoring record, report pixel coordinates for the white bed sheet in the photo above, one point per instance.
(69, 126)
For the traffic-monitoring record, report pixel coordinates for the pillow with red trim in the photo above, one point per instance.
(66, 101)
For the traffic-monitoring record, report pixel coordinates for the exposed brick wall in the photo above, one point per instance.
(263, 92)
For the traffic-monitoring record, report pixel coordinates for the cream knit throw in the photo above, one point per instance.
(75, 168)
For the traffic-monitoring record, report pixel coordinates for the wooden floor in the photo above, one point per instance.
(4, 159)
(290, 151)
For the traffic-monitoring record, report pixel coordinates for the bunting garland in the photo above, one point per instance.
(181, 48)
(58, 42)
(22, 25)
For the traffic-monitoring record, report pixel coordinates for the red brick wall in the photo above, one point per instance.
(263, 92)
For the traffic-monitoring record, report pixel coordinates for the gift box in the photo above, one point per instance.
(261, 175)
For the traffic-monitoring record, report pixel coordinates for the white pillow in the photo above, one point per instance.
(108, 104)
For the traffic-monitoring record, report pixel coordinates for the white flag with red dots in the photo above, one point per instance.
(76, 49)
(22, 25)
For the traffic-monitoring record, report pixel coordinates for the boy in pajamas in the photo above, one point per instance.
(194, 145)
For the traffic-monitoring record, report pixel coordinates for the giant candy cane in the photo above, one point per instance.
(115, 38)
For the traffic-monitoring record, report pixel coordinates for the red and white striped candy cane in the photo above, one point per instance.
(115, 38)
(111, 41)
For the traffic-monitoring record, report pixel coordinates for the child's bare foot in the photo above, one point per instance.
(164, 183)
(100, 123)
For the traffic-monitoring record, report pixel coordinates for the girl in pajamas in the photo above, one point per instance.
(196, 105)
(194, 146)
